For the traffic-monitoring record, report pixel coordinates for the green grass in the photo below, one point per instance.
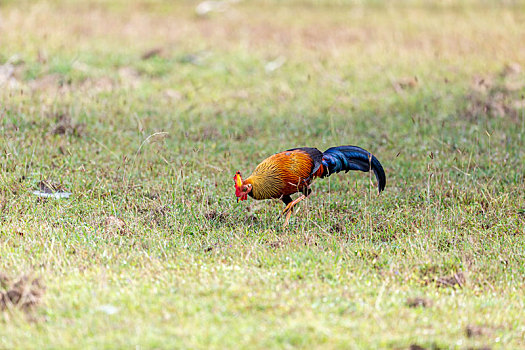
(185, 265)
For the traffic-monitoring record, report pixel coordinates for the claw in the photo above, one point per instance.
(287, 208)
(287, 218)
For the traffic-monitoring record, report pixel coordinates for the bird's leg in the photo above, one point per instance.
(289, 208)
(290, 205)
(286, 200)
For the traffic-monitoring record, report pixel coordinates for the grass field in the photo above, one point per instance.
(144, 110)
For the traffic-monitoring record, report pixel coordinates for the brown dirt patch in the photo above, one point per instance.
(499, 96)
(453, 281)
(65, 126)
(419, 302)
(47, 83)
(154, 211)
(152, 53)
(472, 331)
(406, 83)
(416, 347)
(216, 216)
(434, 275)
(48, 186)
(337, 228)
(277, 244)
(23, 293)
(115, 226)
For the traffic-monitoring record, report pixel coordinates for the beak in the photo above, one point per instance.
(237, 199)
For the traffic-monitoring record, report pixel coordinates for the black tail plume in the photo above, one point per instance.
(347, 158)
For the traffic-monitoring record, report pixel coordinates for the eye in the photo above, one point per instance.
(243, 188)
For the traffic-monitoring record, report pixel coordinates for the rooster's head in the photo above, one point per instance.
(241, 188)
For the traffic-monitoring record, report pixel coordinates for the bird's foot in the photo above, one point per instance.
(287, 209)
(286, 221)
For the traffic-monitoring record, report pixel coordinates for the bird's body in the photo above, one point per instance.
(292, 171)
(282, 174)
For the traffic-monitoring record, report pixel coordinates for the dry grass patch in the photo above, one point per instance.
(115, 226)
(23, 293)
(498, 96)
(419, 302)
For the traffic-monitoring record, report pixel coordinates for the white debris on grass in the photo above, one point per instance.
(56, 195)
(206, 7)
(275, 64)
(108, 309)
